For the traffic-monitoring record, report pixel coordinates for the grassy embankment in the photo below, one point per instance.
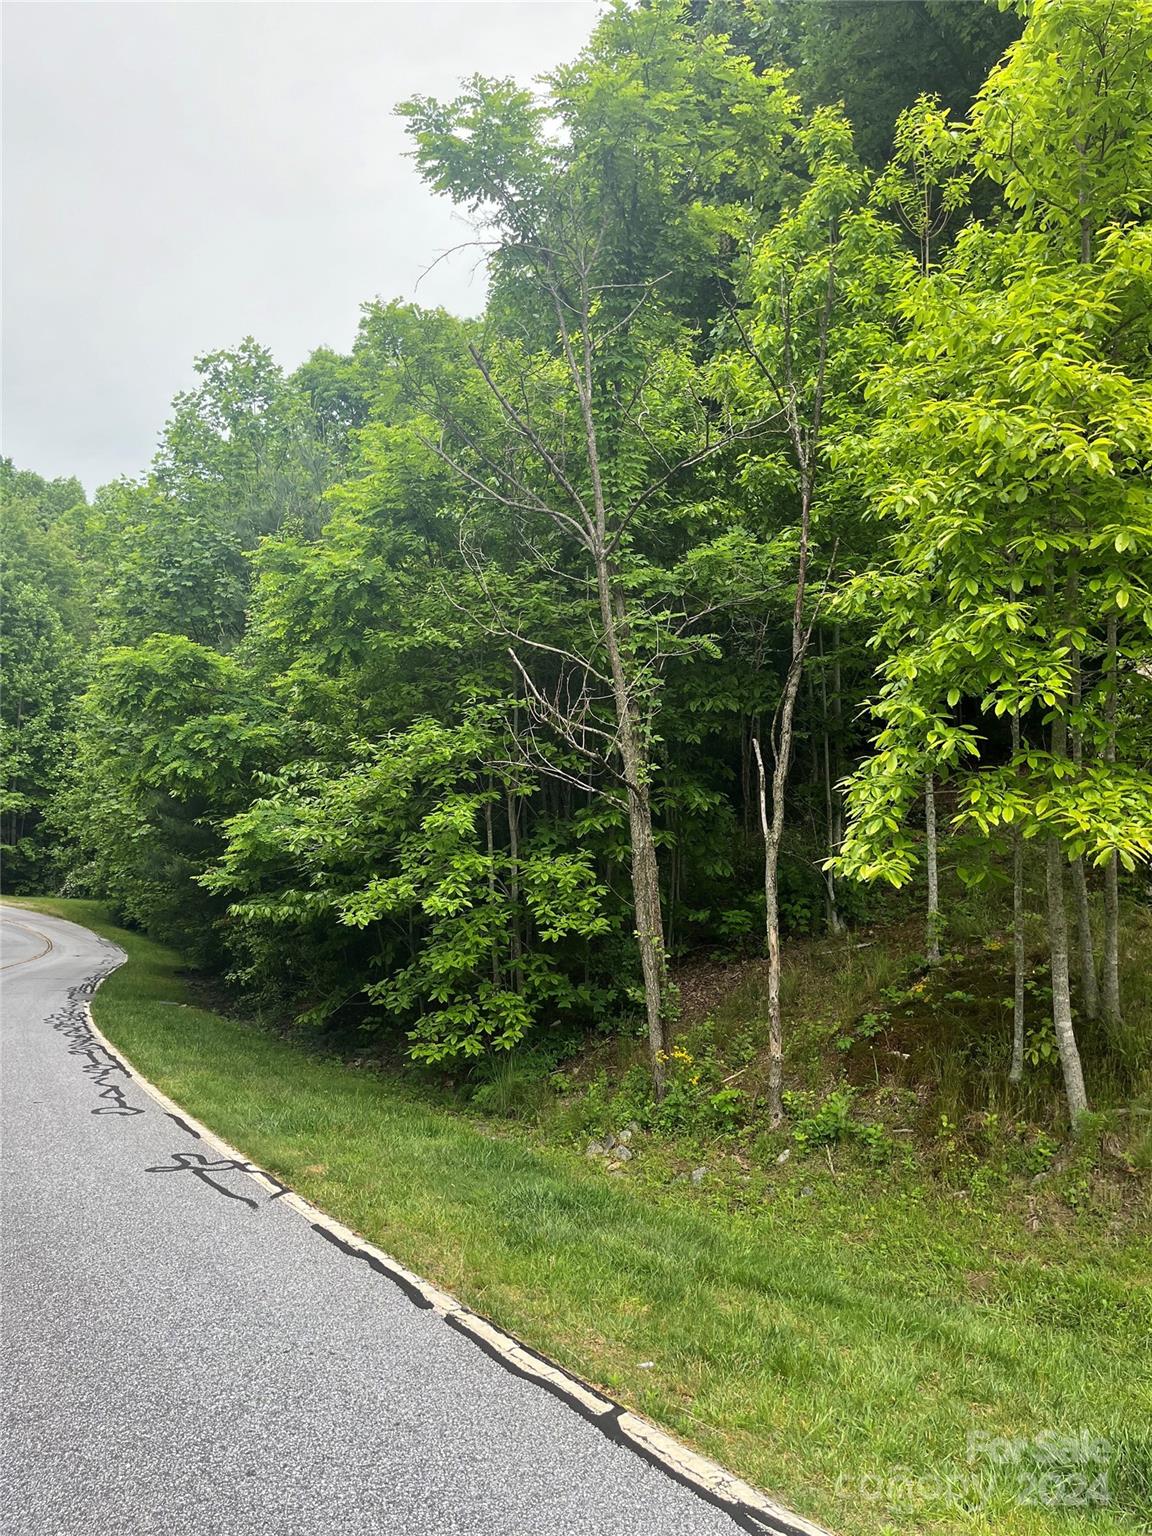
(836, 1328)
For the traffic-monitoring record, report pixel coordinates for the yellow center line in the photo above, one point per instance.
(35, 932)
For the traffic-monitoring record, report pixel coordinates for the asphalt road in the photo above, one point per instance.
(186, 1357)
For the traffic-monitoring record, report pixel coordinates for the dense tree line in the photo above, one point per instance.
(784, 517)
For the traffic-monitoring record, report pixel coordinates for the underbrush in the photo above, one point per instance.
(893, 1067)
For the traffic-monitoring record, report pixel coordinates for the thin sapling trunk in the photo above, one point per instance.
(1089, 988)
(931, 858)
(831, 809)
(771, 827)
(1111, 970)
(1019, 959)
(1058, 946)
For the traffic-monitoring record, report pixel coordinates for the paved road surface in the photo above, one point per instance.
(176, 1361)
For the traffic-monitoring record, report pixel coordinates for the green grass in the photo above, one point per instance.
(837, 1336)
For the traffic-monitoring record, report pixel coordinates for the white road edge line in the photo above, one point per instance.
(644, 1437)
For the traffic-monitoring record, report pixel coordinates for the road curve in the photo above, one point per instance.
(183, 1356)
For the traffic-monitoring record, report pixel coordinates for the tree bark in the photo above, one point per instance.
(1088, 986)
(1016, 1071)
(645, 867)
(770, 827)
(1061, 992)
(833, 919)
(1111, 976)
(773, 825)
(933, 871)
(1112, 1008)
(491, 841)
(515, 939)
(630, 741)
(833, 834)
(1058, 947)
(804, 436)
(649, 930)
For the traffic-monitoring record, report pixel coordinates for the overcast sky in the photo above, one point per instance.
(180, 175)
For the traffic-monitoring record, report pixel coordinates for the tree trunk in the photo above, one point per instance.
(1089, 989)
(1061, 994)
(773, 826)
(933, 872)
(645, 867)
(1088, 986)
(834, 921)
(831, 817)
(631, 743)
(672, 889)
(491, 841)
(1058, 945)
(804, 436)
(515, 939)
(782, 759)
(1111, 976)
(649, 928)
(1016, 1071)
(1112, 1011)
(772, 930)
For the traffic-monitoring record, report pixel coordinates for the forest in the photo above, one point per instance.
(639, 801)
(771, 558)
